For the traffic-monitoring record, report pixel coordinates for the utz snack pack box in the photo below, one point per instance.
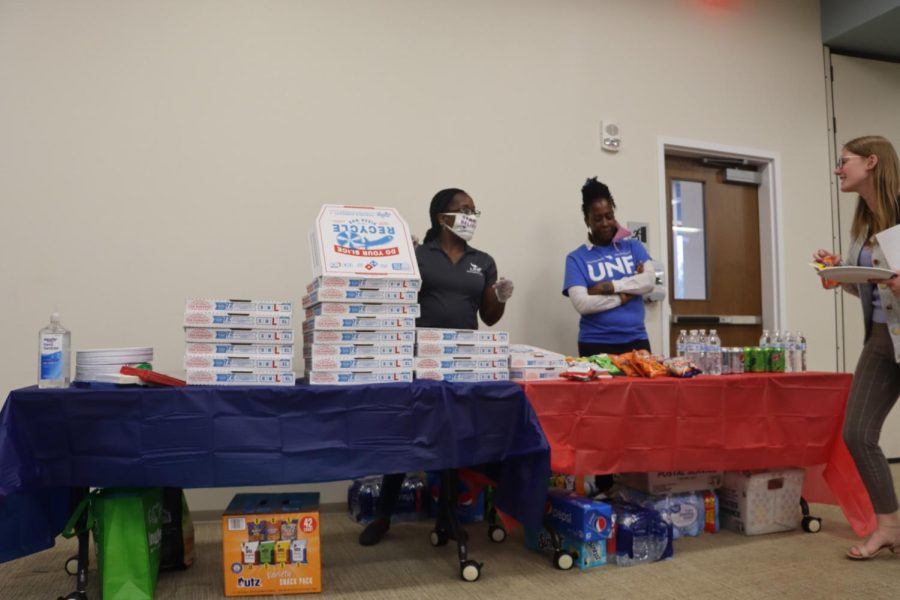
(362, 242)
(271, 545)
(581, 518)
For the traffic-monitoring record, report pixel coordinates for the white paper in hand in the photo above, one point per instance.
(889, 240)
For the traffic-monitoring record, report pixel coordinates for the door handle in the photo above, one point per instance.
(717, 319)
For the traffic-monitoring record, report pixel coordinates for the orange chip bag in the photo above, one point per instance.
(623, 362)
(647, 365)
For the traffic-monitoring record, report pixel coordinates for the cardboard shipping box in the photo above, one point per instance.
(271, 545)
(762, 501)
(672, 482)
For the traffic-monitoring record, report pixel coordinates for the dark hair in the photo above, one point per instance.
(592, 191)
(439, 205)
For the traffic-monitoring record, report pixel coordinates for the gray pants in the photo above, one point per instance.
(876, 385)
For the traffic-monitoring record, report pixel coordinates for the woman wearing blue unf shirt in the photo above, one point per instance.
(605, 279)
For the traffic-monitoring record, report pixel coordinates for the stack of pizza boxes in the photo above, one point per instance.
(362, 305)
(239, 342)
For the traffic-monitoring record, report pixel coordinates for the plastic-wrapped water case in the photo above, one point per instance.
(686, 512)
(642, 535)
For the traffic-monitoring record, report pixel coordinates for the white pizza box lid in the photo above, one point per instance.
(362, 241)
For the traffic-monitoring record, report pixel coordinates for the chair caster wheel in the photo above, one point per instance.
(811, 524)
(439, 538)
(75, 596)
(496, 533)
(470, 570)
(72, 566)
(563, 561)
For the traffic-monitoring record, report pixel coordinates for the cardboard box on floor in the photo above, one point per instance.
(271, 544)
(762, 501)
(672, 482)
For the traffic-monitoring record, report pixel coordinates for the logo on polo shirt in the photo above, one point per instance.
(473, 268)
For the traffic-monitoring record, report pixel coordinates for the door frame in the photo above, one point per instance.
(771, 239)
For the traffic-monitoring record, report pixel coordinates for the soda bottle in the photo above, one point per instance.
(765, 340)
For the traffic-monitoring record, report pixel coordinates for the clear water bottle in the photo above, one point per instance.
(691, 347)
(800, 352)
(765, 340)
(54, 343)
(681, 343)
(714, 353)
(789, 352)
(703, 350)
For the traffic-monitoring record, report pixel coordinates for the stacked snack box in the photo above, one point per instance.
(361, 307)
(270, 544)
(239, 342)
(528, 363)
(462, 355)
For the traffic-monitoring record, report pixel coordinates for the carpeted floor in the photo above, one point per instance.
(406, 566)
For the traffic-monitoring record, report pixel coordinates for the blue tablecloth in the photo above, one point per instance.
(53, 440)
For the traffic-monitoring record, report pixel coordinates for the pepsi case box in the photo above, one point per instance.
(587, 555)
(576, 516)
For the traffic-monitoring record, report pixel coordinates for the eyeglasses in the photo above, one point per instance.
(842, 160)
(467, 211)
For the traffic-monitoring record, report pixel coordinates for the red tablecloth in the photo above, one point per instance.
(731, 422)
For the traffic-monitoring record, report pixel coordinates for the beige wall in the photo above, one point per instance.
(133, 133)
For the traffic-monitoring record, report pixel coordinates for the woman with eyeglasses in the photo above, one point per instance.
(868, 166)
(459, 284)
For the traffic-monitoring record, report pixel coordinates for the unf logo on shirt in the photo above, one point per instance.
(607, 267)
(475, 269)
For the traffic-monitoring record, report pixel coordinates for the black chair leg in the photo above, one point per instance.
(83, 558)
(449, 527)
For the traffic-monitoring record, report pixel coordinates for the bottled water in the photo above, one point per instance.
(765, 340)
(789, 344)
(681, 343)
(799, 352)
(691, 348)
(54, 342)
(702, 349)
(714, 353)
(648, 533)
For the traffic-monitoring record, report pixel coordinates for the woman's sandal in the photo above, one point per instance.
(859, 552)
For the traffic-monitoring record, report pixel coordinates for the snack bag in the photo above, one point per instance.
(624, 363)
(681, 367)
(605, 362)
(647, 365)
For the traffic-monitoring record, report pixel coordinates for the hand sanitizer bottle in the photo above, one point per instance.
(54, 342)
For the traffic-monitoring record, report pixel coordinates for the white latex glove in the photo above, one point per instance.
(504, 289)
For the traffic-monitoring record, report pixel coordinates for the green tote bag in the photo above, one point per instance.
(127, 533)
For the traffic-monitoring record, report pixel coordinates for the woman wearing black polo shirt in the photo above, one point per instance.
(459, 284)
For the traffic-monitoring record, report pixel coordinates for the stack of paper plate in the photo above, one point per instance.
(90, 365)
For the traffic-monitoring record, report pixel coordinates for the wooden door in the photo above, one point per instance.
(714, 254)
